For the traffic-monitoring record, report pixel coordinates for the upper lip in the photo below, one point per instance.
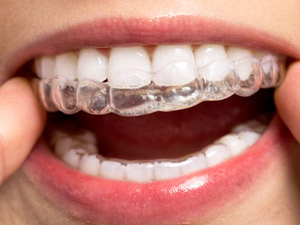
(145, 31)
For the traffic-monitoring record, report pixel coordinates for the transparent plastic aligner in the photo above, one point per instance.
(179, 86)
(219, 80)
(134, 102)
(167, 91)
(93, 97)
(64, 95)
(181, 96)
(45, 94)
(273, 71)
(249, 74)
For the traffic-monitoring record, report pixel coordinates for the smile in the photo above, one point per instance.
(142, 128)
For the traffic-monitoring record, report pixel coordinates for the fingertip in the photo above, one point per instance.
(22, 121)
(287, 99)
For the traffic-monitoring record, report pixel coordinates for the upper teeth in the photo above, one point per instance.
(92, 64)
(176, 78)
(163, 56)
(65, 65)
(131, 66)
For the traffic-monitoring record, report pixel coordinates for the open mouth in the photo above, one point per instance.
(131, 81)
(157, 129)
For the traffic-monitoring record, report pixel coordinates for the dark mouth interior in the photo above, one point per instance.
(167, 135)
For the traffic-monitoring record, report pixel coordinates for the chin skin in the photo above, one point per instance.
(272, 199)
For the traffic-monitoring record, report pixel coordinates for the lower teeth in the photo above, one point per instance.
(80, 152)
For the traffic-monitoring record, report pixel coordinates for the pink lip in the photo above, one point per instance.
(170, 201)
(145, 31)
(115, 202)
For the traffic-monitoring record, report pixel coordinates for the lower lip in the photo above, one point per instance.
(187, 198)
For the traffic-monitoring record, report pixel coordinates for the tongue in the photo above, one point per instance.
(173, 134)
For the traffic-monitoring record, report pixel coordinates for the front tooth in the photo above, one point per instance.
(217, 153)
(44, 67)
(112, 170)
(208, 53)
(193, 164)
(243, 69)
(234, 143)
(129, 67)
(89, 164)
(215, 58)
(139, 172)
(65, 65)
(166, 170)
(173, 65)
(91, 65)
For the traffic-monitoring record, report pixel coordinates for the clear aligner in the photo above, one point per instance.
(215, 81)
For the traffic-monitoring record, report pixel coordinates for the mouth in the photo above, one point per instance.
(150, 127)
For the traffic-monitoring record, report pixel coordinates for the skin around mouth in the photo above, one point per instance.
(258, 186)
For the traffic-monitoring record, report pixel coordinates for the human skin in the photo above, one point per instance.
(272, 199)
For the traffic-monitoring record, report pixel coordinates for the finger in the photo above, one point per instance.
(287, 100)
(21, 123)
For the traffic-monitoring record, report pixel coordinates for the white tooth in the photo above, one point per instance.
(244, 69)
(89, 164)
(139, 172)
(216, 154)
(266, 65)
(129, 67)
(173, 65)
(213, 59)
(44, 67)
(252, 125)
(166, 170)
(208, 53)
(112, 170)
(65, 65)
(249, 136)
(234, 143)
(91, 65)
(64, 144)
(72, 157)
(193, 164)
